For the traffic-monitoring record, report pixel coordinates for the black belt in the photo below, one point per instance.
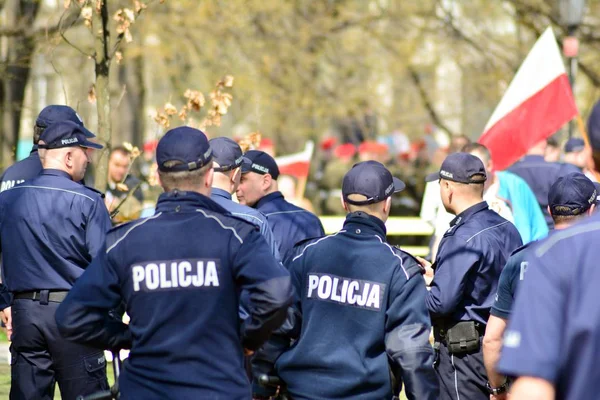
(54, 296)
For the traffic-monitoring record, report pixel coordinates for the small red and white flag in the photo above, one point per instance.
(297, 164)
(537, 103)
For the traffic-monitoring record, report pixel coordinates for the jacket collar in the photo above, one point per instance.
(177, 201)
(365, 222)
(460, 218)
(268, 198)
(56, 172)
(216, 192)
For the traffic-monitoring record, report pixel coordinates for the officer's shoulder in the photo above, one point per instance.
(115, 233)
(93, 191)
(410, 264)
(227, 219)
(521, 248)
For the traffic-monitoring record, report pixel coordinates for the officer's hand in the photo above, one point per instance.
(503, 396)
(248, 353)
(7, 320)
(428, 270)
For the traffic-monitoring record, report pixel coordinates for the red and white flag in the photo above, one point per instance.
(297, 164)
(537, 103)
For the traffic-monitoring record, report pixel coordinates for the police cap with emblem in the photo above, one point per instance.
(57, 113)
(66, 134)
(227, 153)
(261, 163)
(186, 145)
(572, 194)
(372, 180)
(461, 168)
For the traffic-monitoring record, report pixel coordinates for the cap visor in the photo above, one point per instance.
(87, 132)
(432, 177)
(398, 185)
(245, 164)
(91, 145)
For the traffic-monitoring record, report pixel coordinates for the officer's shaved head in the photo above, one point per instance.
(198, 180)
(457, 196)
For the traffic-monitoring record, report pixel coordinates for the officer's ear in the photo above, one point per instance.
(267, 180)
(344, 205)
(208, 178)
(387, 206)
(591, 210)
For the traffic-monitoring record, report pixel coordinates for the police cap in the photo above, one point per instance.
(261, 163)
(572, 194)
(574, 145)
(372, 180)
(460, 167)
(57, 113)
(66, 134)
(227, 153)
(185, 144)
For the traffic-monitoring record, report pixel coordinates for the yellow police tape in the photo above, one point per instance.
(396, 226)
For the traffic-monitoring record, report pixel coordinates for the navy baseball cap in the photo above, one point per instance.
(461, 168)
(261, 163)
(574, 145)
(372, 180)
(572, 194)
(597, 186)
(57, 113)
(185, 144)
(66, 134)
(227, 153)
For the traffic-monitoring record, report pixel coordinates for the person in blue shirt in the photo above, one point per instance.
(31, 166)
(181, 274)
(227, 160)
(470, 258)
(551, 344)
(51, 228)
(360, 320)
(258, 189)
(528, 217)
(571, 198)
(540, 175)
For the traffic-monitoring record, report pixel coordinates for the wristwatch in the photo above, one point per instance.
(498, 390)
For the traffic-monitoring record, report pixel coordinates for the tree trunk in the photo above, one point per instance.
(17, 68)
(102, 94)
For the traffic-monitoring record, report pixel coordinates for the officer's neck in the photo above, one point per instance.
(464, 204)
(54, 164)
(223, 181)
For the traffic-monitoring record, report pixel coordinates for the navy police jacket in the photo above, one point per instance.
(50, 229)
(540, 175)
(555, 323)
(26, 169)
(512, 274)
(468, 264)
(181, 273)
(290, 224)
(362, 307)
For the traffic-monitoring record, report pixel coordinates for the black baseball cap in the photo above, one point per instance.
(574, 145)
(572, 194)
(66, 134)
(57, 113)
(227, 153)
(261, 163)
(372, 180)
(461, 168)
(185, 144)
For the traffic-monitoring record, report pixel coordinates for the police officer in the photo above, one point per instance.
(571, 198)
(551, 343)
(181, 274)
(227, 164)
(258, 189)
(51, 228)
(471, 256)
(361, 305)
(31, 166)
(540, 174)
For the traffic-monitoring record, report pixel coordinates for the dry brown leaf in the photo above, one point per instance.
(92, 94)
(122, 187)
(170, 109)
(128, 146)
(228, 81)
(118, 57)
(183, 114)
(128, 37)
(139, 6)
(162, 119)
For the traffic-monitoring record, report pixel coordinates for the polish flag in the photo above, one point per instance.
(297, 164)
(537, 103)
